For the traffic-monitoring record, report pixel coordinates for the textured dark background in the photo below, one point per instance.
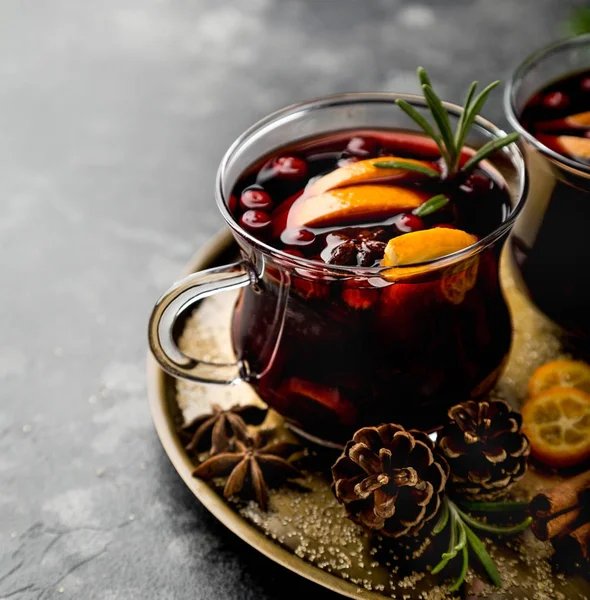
(113, 117)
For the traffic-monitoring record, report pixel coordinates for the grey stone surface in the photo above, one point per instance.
(113, 117)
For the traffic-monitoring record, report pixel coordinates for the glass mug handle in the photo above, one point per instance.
(177, 301)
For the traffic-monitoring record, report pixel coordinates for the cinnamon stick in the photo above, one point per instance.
(561, 509)
(563, 496)
(575, 546)
(546, 527)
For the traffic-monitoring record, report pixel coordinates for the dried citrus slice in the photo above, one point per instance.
(557, 423)
(565, 373)
(354, 203)
(365, 171)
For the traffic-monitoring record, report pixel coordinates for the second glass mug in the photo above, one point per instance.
(413, 341)
(550, 242)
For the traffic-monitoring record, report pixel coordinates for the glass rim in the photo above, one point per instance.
(512, 151)
(511, 89)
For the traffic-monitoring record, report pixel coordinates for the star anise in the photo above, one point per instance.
(252, 466)
(219, 427)
(362, 250)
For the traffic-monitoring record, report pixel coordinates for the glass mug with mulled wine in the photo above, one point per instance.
(369, 286)
(548, 102)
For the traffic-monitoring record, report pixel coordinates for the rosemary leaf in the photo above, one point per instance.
(443, 519)
(406, 166)
(461, 132)
(446, 556)
(456, 515)
(498, 529)
(520, 527)
(474, 110)
(431, 205)
(441, 118)
(483, 556)
(423, 77)
(494, 506)
(463, 572)
(462, 537)
(488, 149)
(453, 531)
(424, 124)
(440, 566)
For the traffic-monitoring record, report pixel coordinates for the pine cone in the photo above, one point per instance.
(485, 448)
(390, 480)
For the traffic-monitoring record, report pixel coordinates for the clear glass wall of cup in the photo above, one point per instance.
(550, 243)
(428, 340)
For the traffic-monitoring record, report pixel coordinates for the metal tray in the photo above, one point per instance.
(306, 531)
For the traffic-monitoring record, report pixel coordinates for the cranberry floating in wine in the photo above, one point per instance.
(407, 223)
(255, 221)
(256, 199)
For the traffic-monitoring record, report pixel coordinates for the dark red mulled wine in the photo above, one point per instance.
(559, 116)
(352, 347)
(550, 244)
(270, 199)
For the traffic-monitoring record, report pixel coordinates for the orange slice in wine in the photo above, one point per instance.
(422, 246)
(427, 244)
(563, 373)
(365, 171)
(571, 145)
(578, 121)
(353, 204)
(557, 423)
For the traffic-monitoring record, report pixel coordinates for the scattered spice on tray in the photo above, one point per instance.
(217, 428)
(251, 464)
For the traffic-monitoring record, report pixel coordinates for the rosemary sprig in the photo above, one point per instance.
(449, 143)
(462, 536)
(406, 166)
